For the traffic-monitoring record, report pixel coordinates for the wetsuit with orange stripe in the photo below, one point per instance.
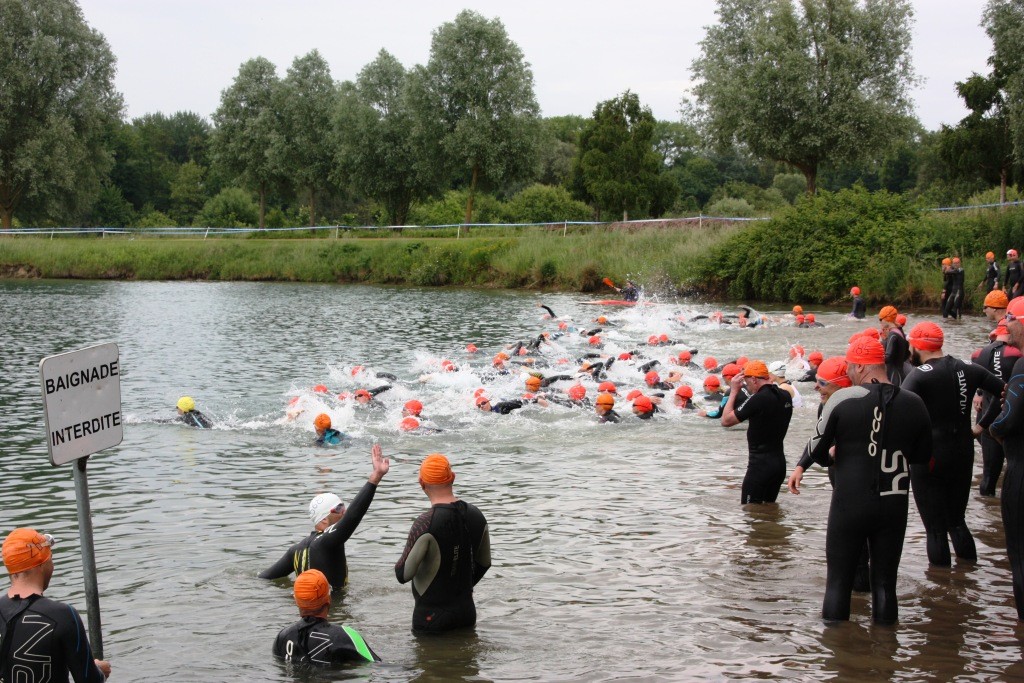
(942, 486)
(877, 429)
(325, 550)
(447, 553)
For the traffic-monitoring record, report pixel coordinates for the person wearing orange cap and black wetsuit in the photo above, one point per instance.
(860, 308)
(991, 281)
(333, 525)
(942, 486)
(448, 551)
(604, 406)
(43, 639)
(897, 351)
(1009, 429)
(313, 640)
(502, 407)
(876, 429)
(769, 410)
(999, 358)
(954, 300)
(1014, 276)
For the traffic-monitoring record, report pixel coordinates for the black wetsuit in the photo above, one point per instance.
(954, 302)
(43, 640)
(741, 398)
(630, 293)
(1009, 427)
(999, 358)
(991, 276)
(860, 308)
(325, 551)
(942, 486)
(1012, 279)
(610, 416)
(194, 418)
(316, 641)
(447, 553)
(769, 411)
(897, 352)
(877, 430)
(506, 407)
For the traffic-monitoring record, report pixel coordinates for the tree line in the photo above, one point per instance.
(790, 97)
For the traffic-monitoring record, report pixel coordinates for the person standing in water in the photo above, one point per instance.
(860, 309)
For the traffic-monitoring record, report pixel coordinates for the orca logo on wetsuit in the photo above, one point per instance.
(925, 368)
(889, 464)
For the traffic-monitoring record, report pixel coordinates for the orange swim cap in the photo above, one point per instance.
(871, 332)
(481, 399)
(947, 261)
(996, 299)
(362, 393)
(855, 291)
(710, 362)
(956, 259)
(606, 387)
(605, 400)
(888, 314)
(643, 404)
(322, 421)
(797, 310)
(800, 319)
(471, 348)
(577, 392)
(448, 366)
(663, 338)
(685, 391)
(809, 317)
(652, 378)
(25, 548)
(730, 370)
(989, 255)
(409, 424)
(926, 337)
(685, 356)
(796, 350)
(815, 357)
(603, 320)
(311, 590)
(741, 361)
(533, 383)
(633, 394)
(413, 406)
(594, 341)
(755, 368)
(901, 320)
(436, 470)
(625, 355)
(712, 382)
(320, 389)
(865, 351)
(833, 371)
(652, 340)
(1016, 307)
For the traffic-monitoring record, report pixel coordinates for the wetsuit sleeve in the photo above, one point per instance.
(379, 390)
(339, 532)
(506, 407)
(717, 412)
(550, 380)
(993, 385)
(282, 568)
(751, 407)
(77, 651)
(1012, 416)
(482, 556)
(416, 547)
(825, 430)
(892, 350)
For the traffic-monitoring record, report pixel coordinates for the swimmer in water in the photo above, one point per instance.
(502, 407)
(187, 414)
(683, 397)
(604, 407)
(325, 436)
(643, 407)
(860, 308)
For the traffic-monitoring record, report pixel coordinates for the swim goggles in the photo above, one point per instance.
(48, 542)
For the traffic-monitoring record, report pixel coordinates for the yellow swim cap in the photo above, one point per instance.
(186, 404)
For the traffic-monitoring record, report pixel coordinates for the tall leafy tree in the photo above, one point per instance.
(308, 97)
(826, 83)
(617, 163)
(982, 143)
(1003, 20)
(476, 112)
(374, 139)
(57, 102)
(248, 143)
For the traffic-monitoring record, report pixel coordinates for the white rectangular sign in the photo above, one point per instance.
(82, 402)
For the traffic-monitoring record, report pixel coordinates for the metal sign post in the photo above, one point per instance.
(82, 405)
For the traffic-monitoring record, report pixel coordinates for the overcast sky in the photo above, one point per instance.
(175, 55)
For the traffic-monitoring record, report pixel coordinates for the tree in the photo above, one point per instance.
(826, 84)
(981, 144)
(617, 163)
(188, 192)
(475, 108)
(1003, 20)
(57, 102)
(308, 97)
(374, 147)
(248, 143)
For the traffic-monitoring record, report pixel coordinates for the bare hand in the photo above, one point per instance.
(737, 381)
(381, 465)
(795, 479)
(977, 403)
(977, 431)
(103, 666)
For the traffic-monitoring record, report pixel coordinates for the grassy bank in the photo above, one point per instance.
(534, 258)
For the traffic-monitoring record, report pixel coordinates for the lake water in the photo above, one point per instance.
(621, 552)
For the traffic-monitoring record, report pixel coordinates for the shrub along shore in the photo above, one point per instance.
(812, 254)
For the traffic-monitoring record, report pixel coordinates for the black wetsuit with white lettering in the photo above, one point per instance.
(897, 352)
(768, 411)
(325, 551)
(316, 641)
(447, 553)
(877, 429)
(47, 642)
(1012, 279)
(1009, 427)
(999, 358)
(942, 486)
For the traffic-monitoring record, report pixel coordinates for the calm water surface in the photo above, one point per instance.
(620, 551)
